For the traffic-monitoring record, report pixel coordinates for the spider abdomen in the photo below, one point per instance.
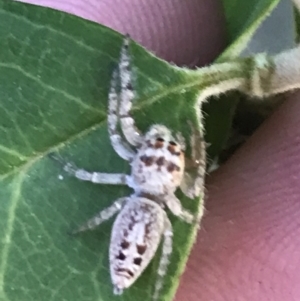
(135, 238)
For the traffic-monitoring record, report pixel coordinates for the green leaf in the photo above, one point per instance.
(297, 24)
(54, 79)
(243, 19)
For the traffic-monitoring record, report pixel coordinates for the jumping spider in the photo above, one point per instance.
(157, 169)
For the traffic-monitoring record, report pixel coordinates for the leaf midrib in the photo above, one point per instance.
(200, 80)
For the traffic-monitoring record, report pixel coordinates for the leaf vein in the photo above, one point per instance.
(77, 41)
(12, 152)
(15, 197)
(33, 159)
(48, 87)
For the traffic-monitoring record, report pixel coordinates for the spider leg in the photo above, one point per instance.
(120, 146)
(131, 133)
(94, 177)
(192, 184)
(164, 260)
(176, 208)
(102, 216)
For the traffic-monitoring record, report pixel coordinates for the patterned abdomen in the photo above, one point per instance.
(158, 167)
(135, 237)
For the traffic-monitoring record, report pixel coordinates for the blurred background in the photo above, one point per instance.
(276, 33)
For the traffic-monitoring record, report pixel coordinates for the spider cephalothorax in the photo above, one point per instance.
(157, 161)
(158, 166)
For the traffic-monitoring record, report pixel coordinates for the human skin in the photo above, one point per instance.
(248, 247)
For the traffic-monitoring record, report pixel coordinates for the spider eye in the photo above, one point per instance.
(160, 139)
(173, 143)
